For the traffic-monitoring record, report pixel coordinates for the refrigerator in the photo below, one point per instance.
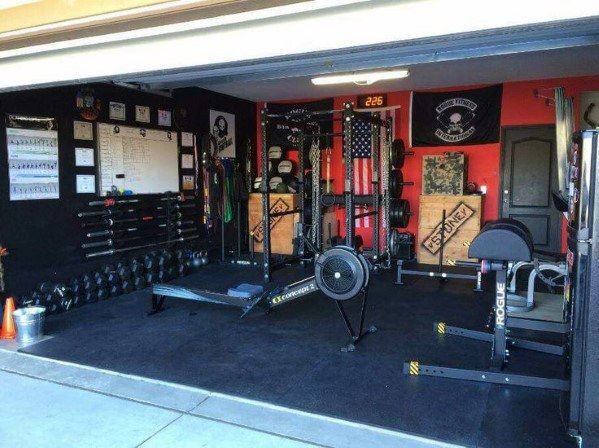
(582, 287)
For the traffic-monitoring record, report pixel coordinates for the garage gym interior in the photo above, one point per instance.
(418, 269)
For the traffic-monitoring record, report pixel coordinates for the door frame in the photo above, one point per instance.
(504, 129)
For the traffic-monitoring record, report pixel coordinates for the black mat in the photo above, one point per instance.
(292, 358)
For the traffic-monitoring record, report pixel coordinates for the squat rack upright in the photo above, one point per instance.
(301, 121)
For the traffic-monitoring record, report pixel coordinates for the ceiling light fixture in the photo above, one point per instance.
(361, 78)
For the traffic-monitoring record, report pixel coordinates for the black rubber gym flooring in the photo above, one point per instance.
(292, 358)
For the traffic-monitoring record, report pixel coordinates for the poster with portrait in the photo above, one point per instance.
(222, 127)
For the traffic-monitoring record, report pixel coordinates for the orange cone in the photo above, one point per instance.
(8, 323)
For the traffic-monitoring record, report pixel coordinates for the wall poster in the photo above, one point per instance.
(32, 144)
(222, 126)
(117, 111)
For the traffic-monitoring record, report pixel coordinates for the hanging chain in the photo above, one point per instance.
(315, 162)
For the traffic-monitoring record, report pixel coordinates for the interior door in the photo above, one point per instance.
(529, 175)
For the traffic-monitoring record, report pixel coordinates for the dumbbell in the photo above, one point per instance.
(139, 282)
(113, 278)
(162, 276)
(100, 280)
(124, 271)
(171, 271)
(179, 256)
(107, 269)
(37, 298)
(90, 296)
(63, 296)
(150, 277)
(102, 293)
(77, 300)
(127, 286)
(88, 282)
(76, 286)
(50, 303)
(150, 261)
(45, 287)
(164, 259)
(137, 267)
(115, 290)
(182, 269)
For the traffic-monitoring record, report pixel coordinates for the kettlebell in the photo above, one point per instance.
(196, 260)
(204, 257)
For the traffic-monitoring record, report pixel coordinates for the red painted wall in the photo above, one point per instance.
(519, 107)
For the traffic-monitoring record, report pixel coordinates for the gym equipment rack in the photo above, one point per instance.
(379, 199)
(123, 220)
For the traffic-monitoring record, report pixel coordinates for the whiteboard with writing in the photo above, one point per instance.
(141, 160)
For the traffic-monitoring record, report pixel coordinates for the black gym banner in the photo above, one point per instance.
(284, 135)
(465, 117)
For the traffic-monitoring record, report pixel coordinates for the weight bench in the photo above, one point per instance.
(499, 244)
(244, 296)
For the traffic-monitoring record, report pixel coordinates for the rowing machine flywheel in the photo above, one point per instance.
(341, 273)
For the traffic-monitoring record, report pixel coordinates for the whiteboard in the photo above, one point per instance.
(137, 159)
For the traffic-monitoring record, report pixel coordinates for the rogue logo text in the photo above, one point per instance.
(453, 222)
(500, 305)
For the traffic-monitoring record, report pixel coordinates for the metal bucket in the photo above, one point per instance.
(30, 323)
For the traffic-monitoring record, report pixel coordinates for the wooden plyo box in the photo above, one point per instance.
(462, 223)
(281, 227)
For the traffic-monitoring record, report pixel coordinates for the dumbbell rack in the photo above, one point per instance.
(111, 280)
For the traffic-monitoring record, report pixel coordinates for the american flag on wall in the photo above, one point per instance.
(362, 156)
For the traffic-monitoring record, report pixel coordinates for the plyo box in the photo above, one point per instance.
(462, 224)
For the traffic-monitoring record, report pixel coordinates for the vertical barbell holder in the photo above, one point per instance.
(265, 201)
(348, 116)
(301, 201)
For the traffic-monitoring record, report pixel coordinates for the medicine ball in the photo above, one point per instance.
(275, 152)
(293, 184)
(282, 188)
(274, 182)
(285, 167)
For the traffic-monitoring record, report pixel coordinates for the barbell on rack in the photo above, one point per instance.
(396, 183)
(398, 154)
(399, 213)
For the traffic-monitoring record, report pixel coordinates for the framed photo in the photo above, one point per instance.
(222, 126)
(117, 111)
(82, 130)
(142, 114)
(164, 117)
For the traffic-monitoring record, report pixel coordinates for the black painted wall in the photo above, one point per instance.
(44, 236)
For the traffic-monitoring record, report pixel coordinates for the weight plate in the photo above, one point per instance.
(399, 213)
(395, 183)
(398, 154)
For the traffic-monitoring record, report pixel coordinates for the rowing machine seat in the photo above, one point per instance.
(246, 291)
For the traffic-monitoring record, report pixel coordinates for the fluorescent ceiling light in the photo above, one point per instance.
(8, 4)
(361, 78)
